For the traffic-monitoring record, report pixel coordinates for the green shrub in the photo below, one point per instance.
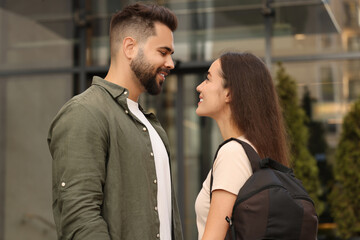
(345, 195)
(303, 163)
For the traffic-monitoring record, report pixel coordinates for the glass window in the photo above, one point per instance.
(326, 27)
(354, 87)
(100, 13)
(333, 86)
(206, 28)
(36, 34)
(326, 84)
(27, 106)
(47, 36)
(200, 140)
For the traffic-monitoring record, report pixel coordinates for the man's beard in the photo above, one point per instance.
(146, 73)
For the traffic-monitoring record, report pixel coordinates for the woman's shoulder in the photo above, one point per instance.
(231, 167)
(232, 147)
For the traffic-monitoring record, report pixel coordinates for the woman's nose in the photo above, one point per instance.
(198, 87)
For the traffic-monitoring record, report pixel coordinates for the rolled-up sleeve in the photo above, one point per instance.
(78, 144)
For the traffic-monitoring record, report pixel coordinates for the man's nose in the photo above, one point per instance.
(169, 63)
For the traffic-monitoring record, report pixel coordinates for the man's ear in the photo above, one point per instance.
(129, 47)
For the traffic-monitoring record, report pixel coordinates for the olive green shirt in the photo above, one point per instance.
(104, 178)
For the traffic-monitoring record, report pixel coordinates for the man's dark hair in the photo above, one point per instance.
(137, 20)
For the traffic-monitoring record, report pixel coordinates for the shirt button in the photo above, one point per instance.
(152, 154)
(125, 92)
(155, 208)
(158, 235)
(144, 129)
(63, 184)
(155, 181)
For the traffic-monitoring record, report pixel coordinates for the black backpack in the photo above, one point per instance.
(272, 204)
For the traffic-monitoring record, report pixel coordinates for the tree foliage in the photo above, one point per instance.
(317, 143)
(345, 195)
(303, 163)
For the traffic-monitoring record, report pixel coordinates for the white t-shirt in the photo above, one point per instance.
(162, 172)
(230, 171)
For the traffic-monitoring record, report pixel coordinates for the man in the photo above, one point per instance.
(111, 174)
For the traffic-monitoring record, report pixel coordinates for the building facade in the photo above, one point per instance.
(49, 51)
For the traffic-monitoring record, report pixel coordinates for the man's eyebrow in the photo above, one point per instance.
(168, 49)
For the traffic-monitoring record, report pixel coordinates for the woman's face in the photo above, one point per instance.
(214, 98)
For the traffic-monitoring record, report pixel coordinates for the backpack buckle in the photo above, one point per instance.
(264, 163)
(229, 220)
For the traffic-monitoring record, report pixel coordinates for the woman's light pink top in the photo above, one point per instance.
(230, 171)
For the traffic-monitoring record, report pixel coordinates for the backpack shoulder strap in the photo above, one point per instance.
(254, 158)
(268, 162)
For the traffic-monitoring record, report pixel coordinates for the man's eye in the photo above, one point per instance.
(163, 53)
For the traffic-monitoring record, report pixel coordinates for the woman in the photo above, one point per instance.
(239, 95)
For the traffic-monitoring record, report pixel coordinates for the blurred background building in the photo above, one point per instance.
(50, 49)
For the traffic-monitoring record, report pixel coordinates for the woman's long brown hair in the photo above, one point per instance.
(254, 104)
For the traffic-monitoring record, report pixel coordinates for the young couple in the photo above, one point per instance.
(111, 173)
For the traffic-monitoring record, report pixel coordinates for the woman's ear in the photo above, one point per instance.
(227, 95)
(129, 47)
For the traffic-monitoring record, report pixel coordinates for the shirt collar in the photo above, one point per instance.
(114, 89)
(117, 92)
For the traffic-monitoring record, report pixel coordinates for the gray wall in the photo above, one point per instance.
(28, 103)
